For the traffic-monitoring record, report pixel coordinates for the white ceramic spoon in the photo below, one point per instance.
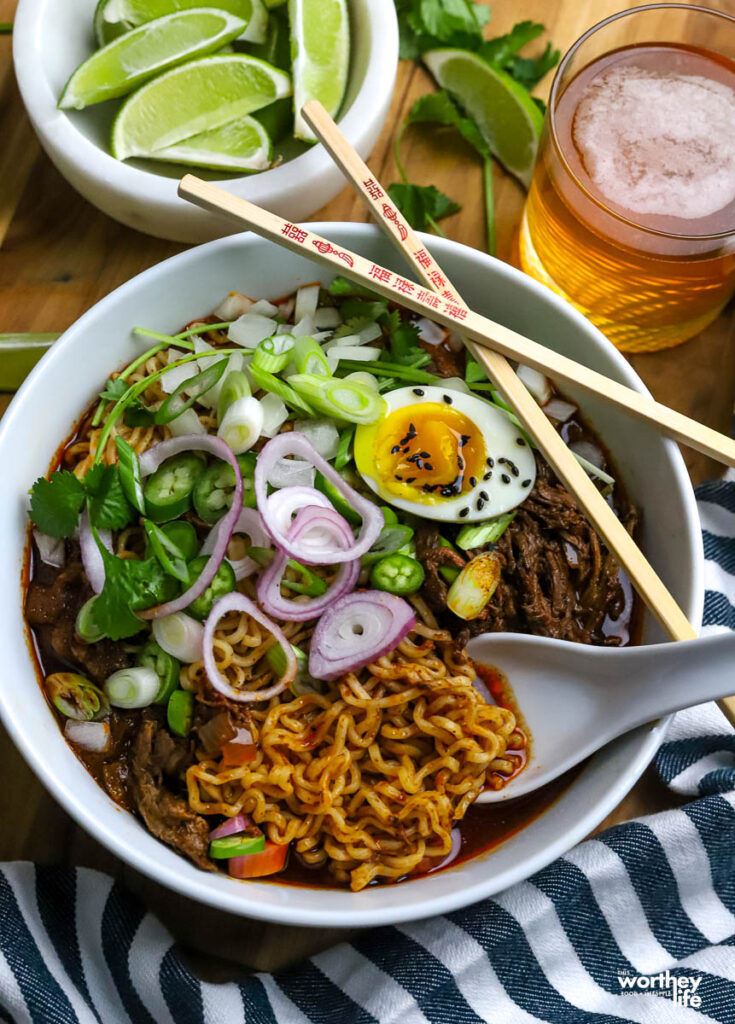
(576, 698)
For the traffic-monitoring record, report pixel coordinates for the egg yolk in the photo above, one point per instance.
(428, 452)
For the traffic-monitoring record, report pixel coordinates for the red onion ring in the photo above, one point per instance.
(357, 629)
(294, 443)
(149, 463)
(248, 522)
(231, 827)
(269, 583)
(235, 602)
(94, 566)
(282, 505)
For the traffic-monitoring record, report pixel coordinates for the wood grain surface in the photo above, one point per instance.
(58, 256)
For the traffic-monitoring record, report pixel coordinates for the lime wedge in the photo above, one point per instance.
(320, 55)
(502, 109)
(241, 146)
(19, 353)
(126, 63)
(276, 49)
(114, 17)
(194, 98)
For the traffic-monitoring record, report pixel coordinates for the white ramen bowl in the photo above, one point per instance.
(67, 380)
(51, 37)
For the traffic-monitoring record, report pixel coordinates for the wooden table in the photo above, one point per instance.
(58, 256)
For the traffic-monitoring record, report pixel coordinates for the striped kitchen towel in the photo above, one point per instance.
(637, 924)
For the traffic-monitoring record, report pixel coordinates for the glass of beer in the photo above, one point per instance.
(631, 212)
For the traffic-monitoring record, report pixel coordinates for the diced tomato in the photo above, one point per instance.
(256, 865)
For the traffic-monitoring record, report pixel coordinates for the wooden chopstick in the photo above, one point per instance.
(445, 310)
(304, 242)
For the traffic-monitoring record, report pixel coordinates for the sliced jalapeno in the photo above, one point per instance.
(168, 553)
(180, 712)
(397, 574)
(214, 489)
(222, 584)
(166, 667)
(341, 504)
(168, 490)
(130, 478)
(189, 391)
(390, 540)
(240, 845)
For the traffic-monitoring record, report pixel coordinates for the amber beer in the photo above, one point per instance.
(631, 212)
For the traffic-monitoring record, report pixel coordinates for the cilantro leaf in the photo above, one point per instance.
(130, 586)
(529, 71)
(342, 286)
(500, 50)
(114, 389)
(109, 509)
(56, 503)
(391, 320)
(426, 24)
(440, 108)
(357, 309)
(353, 325)
(421, 203)
(403, 347)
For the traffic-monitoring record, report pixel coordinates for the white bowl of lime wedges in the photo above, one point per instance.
(209, 90)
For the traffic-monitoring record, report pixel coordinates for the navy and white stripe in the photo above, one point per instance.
(649, 896)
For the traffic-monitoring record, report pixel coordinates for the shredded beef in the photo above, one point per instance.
(557, 579)
(52, 608)
(168, 817)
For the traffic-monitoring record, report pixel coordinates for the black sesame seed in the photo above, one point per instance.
(425, 455)
(503, 461)
(490, 462)
(418, 391)
(428, 465)
(395, 449)
(412, 429)
(483, 494)
(464, 512)
(406, 450)
(473, 481)
(520, 442)
(488, 475)
(505, 478)
(464, 438)
(515, 471)
(526, 483)
(460, 462)
(398, 477)
(447, 399)
(410, 479)
(480, 505)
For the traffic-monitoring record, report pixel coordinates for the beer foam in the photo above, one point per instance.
(658, 143)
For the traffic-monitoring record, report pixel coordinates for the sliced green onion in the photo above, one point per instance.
(168, 553)
(474, 373)
(180, 636)
(132, 687)
(274, 354)
(486, 533)
(85, 626)
(448, 573)
(340, 503)
(242, 424)
(75, 697)
(389, 516)
(344, 448)
(308, 357)
(236, 846)
(381, 369)
(188, 392)
(475, 585)
(593, 470)
(363, 377)
(311, 584)
(343, 399)
(234, 386)
(302, 682)
(268, 382)
(130, 476)
(180, 712)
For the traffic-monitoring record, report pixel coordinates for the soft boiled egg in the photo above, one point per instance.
(445, 455)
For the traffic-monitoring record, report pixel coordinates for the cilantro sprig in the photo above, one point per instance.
(458, 24)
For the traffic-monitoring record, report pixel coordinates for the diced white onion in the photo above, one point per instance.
(430, 332)
(235, 362)
(559, 410)
(304, 327)
(351, 340)
(363, 377)
(263, 308)
(242, 424)
(455, 342)
(232, 306)
(286, 308)
(536, 383)
(323, 435)
(365, 353)
(92, 736)
(327, 316)
(370, 333)
(180, 636)
(187, 422)
(291, 473)
(275, 414)
(249, 330)
(321, 335)
(132, 687)
(307, 300)
(173, 378)
(589, 451)
(332, 362)
(284, 329)
(456, 384)
(51, 550)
